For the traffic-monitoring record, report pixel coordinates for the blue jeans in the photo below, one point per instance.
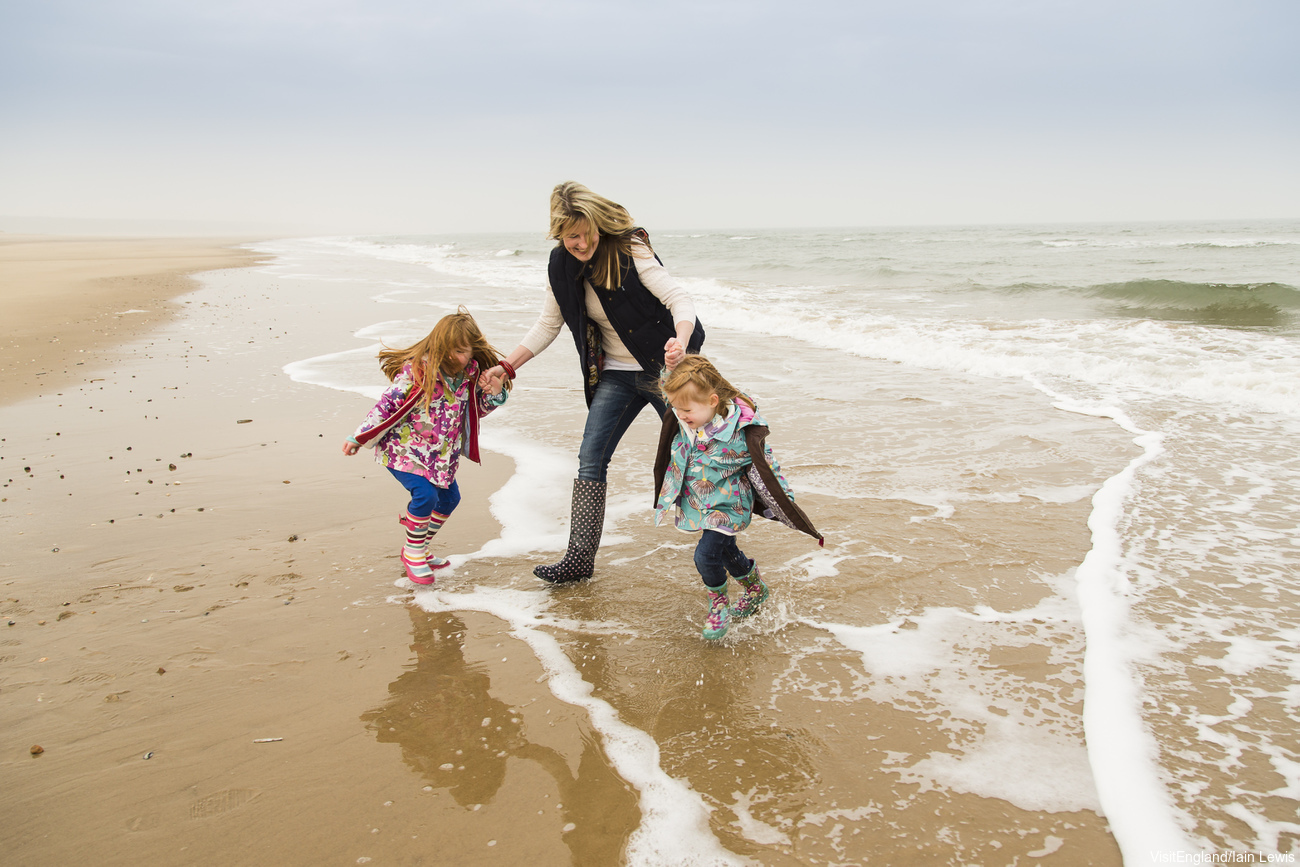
(620, 396)
(717, 554)
(426, 497)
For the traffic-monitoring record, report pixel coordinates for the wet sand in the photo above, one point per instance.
(199, 631)
(209, 642)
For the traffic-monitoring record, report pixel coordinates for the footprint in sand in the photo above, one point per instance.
(222, 802)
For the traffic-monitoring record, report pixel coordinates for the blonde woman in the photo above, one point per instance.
(629, 319)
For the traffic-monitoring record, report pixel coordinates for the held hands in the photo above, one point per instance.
(674, 352)
(492, 380)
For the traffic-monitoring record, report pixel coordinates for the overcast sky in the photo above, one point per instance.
(429, 116)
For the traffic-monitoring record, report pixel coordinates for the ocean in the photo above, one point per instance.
(1056, 468)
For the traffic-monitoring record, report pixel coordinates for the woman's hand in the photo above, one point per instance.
(674, 352)
(350, 448)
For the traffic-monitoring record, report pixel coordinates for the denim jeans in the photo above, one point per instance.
(620, 396)
(717, 554)
(426, 497)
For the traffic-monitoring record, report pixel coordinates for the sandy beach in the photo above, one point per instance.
(67, 298)
(173, 641)
(1014, 288)
(206, 637)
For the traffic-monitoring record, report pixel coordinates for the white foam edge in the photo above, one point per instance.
(1121, 750)
(674, 827)
(1015, 758)
(533, 506)
(530, 513)
(336, 370)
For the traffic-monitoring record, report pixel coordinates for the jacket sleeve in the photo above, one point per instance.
(488, 402)
(666, 434)
(772, 498)
(397, 400)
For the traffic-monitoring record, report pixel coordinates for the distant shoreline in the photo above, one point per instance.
(69, 299)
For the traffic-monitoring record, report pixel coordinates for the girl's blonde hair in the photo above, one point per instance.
(452, 331)
(573, 206)
(696, 376)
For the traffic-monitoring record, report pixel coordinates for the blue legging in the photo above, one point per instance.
(426, 497)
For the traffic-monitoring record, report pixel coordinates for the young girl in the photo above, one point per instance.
(706, 469)
(425, 420)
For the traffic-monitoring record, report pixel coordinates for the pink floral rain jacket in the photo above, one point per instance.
(428, 440)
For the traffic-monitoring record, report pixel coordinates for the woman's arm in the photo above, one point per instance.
(665, 287)
(493, 379)
(544, 330)
(661, 284)
(541, 335)
(675, 348)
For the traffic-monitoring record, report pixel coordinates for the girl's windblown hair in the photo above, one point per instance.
(427, 357)
(697, 378)
(575, 206)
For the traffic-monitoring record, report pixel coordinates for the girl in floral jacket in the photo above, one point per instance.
(707, 471)
(424, 421)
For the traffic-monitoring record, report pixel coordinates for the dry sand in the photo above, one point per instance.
(67, 301)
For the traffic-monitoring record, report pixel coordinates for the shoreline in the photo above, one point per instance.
(122, 289)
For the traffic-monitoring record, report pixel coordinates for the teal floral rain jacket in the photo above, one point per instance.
(710, 479)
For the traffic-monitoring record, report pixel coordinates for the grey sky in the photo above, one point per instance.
(387, 115)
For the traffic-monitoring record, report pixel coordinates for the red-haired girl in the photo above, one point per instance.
(425, 421)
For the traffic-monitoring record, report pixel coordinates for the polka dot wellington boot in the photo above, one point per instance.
(585, 525)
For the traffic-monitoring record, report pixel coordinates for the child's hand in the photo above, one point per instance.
(492, 380)
(350, 448)
(674, 352)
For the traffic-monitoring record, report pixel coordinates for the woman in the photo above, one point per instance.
(628, 319)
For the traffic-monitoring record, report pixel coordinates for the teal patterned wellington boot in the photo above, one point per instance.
(752, 595)
(715, 625)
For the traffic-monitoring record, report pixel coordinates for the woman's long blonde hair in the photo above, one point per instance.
(452, 331)
(697, 378)
(575, 206)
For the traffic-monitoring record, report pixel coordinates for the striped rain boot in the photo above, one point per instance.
(436, 520)
(715, 625)
(585, 526)
(415, 551)
(753, 593)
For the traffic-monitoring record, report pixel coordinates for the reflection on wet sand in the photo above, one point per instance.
(457, 735)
